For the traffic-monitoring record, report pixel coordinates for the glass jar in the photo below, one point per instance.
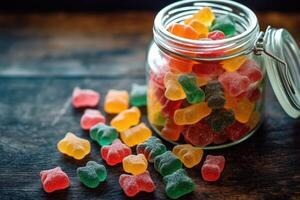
(210, 93)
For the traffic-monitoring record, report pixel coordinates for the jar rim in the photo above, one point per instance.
(169, 41)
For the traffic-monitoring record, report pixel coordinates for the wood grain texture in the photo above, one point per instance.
(42, 58)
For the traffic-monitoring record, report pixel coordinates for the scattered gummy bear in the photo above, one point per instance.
(74, 146)
(136, 135)
(174, 91)
(189, 155)
(135, 164)
(138, 95)
(114, 153)
(178, 184)
(85, 98)
(220, 119)
(103, 134)
(116, 101)
(224, 24)
(171, 131)
(193, 93)
(132, 185)
(125, 119)
(214, 95)
(167, 163)
(92, 174)
(212, 167)
(151, 148)
(54, 179)
(90, 118)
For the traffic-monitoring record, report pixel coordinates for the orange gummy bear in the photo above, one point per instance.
(126, 119)
(233, 64)
(174, 90)
(135, 164)
(201, 29)
(204, 15)
(136, 135)
(116, 101)
(184, 31)
(189, 155)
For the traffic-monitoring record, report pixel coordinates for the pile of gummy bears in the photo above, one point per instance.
(126, 125)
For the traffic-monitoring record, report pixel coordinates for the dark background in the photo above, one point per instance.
(108, 5)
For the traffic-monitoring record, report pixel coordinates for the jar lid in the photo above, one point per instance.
(284, 68)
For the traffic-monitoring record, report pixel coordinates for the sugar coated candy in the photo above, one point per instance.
(204, 15)
(136, 135)
(233, 64)
(191, 114)
(199, 27)
(171, 131)
(185, 31)
(135, 164)
(151, 148)
(208, 69)
(85, 98)
(220, 138)
(90, 118)
(169, 108)
(116, 101)
(92, 174)
(125, 119)
(114, 153)
(54, 179)
(193, 93)
(74, 146)
(212, 167)
(138, 95)
(167, 163)
(133, 184)
(216, 35)
(234, 83)
(214, 95)
(251, 69)
(178, 184)
(237, 131)
(174, 90)
(103, 134)
(224, 24)
(189, 155)
(220, 119)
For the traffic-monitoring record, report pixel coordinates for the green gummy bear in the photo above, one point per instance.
(220, 119)
(92, 174)
(103, 134)
(138, 95)
(167, 163)
(224, 24)
(194, 94)
(151, 148)
(178, 184)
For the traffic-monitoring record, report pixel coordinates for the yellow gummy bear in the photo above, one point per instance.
(189, 155)
(204, 15)
(191, 114)
(153, 105)
(125, 119)
(135, 164)
(254, 119)
(201, 29)
(174, 90)
(74, 146)
(116, 101)
(233, 64)
(136, 135)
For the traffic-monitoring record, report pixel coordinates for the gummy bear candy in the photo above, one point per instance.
(234, 83)
(214, 95)
(85, 98)
(254, 120)
(224, 24)
(220, 138)
(233, 64)
(151, 148)
(184, 31)
(136, 135)
(103, 134)
(178, 184)
(250, 69)
(138, 95)
(253, 94)
(212, 167)
(74, 146)
(216, 35)
(167, 163)
(114, 153)
(199, 134)
(90, 118)
(125, 119)
(54, 179)
(199, 27)
(174, 90)
(135, 164)
(132, 185)
(92, 174)
(237, 131)
(220, 119)
(205, 16)
(189, 155)
(194, 94)
(191, 114)
(169, 108)
(171, 131)
(116, 101)
(208, 69)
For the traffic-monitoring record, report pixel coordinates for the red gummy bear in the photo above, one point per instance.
(212, 167)
(90, 118)
(171, 130)
(220, 138)
(170, 107)
(85, 98)
(251, 70)
(134, 184)
(234, 83)
(114, 153)
(236, 131)
(54, 179)
(252, 94)
(210, 69)
(216, 35)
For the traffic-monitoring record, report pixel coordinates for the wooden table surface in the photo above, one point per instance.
(43, 57)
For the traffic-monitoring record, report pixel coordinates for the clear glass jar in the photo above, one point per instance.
(231, 110)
